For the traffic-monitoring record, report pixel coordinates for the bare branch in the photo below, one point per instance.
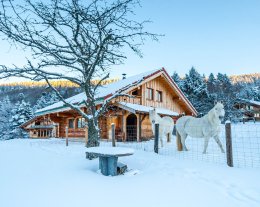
(75, 40)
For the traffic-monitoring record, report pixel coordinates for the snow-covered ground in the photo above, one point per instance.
(46, 173)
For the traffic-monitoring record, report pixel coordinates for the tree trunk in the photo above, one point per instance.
(93, 134)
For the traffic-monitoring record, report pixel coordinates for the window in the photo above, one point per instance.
(37, 123)
(159, 96)
(135, 93)
(80, 123)
(149, 93)
(71, 123)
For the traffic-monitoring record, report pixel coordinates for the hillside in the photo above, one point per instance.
(56, 83)
(245, 78)
(33, 90)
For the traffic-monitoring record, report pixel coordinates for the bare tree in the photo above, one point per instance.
(75, 40)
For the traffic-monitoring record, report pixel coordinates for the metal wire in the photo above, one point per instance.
(245, 146)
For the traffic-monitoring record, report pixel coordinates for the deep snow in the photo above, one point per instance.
(46, 173)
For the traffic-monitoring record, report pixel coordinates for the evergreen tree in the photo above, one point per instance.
(195, 88)
(5, 116)
(227, 93)
(250, 92)
(211, 83)
(45, 100)
(21, 113)
(176, 78)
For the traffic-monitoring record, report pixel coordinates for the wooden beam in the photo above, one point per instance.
(143, 117)
(176, 98)
(140, 126)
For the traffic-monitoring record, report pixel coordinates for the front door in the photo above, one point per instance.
(131, 128)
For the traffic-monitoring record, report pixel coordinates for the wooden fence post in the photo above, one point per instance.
(86, 135)
(113, 135)
(67, 139)
(178, 142)
(156, 140)
(229, 144)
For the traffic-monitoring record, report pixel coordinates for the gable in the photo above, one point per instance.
(172, 97)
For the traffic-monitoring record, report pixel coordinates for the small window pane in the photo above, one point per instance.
(135, 93)
(159, 96)
(149, 93)
(71, 123)
(80, 123)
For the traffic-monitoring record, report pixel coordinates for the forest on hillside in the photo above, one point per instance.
(19, 101)
(204, 91)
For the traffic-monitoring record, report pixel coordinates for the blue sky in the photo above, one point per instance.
(213, 36)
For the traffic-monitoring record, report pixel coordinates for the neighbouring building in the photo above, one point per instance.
(129, 114)
(250, 109)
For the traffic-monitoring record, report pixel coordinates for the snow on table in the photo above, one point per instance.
(108, 157)
(111, 151)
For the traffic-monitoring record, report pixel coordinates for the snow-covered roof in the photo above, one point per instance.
(140, 108)
(257, 103)
(110, 89)
(102, 92)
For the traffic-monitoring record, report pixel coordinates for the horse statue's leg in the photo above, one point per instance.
(161, 140)
(216, 138)
(183, 138)
(170, 137)
(206, 143)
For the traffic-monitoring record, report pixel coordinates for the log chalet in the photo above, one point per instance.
(129, 114)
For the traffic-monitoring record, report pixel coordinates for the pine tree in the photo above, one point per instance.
(211, 83)
(176, 78)
(250, 92)
(21, 113)
(45, 100)
(227, 92)
(5, 116)
(195, 88)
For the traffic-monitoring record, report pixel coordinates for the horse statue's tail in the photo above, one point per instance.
(174, 132)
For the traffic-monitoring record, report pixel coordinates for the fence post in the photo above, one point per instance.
(229, 144)
(86, 135)
(67, 140)
(156, 140)
(113, 135)
(178, 142)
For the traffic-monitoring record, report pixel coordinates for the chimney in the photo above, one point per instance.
(124, 75)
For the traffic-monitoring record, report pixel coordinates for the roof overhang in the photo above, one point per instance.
(136, 108)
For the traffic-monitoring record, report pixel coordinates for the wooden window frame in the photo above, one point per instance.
(135, 92)
(159, 96)
(149, 91)
(82, 123)
(73, 123)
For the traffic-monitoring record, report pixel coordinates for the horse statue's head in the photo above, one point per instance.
(152, 115)
(217, 113)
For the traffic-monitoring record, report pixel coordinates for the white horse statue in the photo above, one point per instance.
(204, 127)
(166, 125)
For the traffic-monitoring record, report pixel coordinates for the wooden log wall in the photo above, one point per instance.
(170, 100)
(136, 100)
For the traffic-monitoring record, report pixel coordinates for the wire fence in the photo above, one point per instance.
(245, 146)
